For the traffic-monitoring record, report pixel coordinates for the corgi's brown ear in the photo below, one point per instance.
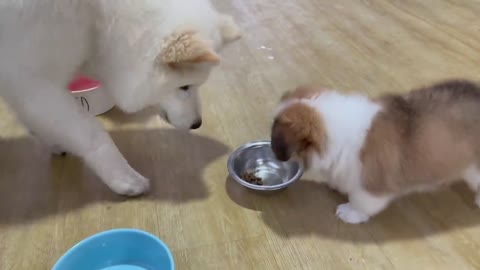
(302, 92)
(187, 47)
(296, 130)
(286, 95)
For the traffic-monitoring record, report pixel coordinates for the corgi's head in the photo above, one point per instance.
(297, 128)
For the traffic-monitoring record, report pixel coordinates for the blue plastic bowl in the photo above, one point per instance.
(119, 249)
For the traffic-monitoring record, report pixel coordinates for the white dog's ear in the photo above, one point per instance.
(229, 29)
(187, 48)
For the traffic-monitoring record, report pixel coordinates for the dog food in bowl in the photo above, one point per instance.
(251, 178)
(254, 166)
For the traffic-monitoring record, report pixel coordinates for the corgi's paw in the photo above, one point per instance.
(350, 215)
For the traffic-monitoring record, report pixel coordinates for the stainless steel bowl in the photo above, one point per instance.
(258, 158)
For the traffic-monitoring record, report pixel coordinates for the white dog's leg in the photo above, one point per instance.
(52, 114)
(361, 207)
(54, 149)
(472, 177)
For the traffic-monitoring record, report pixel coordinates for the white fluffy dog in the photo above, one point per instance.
(145, 53)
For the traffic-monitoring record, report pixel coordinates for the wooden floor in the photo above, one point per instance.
(48, 204)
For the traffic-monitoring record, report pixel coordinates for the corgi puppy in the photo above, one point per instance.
(375, 150)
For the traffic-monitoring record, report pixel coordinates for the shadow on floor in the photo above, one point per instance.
(120, 118)
(308, 208)
(34, 184)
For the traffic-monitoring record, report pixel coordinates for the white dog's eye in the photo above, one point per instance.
(185, 87)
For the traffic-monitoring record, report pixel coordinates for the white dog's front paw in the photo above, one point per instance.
(130, 184)
(349, 215)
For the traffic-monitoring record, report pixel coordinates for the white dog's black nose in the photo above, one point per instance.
(196, 125)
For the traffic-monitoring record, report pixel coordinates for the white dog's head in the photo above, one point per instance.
(183, 65)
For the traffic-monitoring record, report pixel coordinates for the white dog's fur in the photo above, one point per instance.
(143, 52)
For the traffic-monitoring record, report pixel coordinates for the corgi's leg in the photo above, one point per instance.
(361, 207)
(52, 114)
(472, 177)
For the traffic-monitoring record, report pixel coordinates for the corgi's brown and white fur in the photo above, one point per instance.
(377, 149)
